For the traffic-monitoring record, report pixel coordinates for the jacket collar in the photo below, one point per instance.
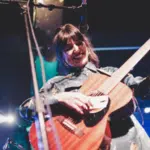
(91, 66)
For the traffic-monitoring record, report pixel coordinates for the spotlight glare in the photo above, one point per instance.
(2, 118)
(10, 119)
(147, 110)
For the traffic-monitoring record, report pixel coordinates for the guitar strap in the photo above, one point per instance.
(104, 72)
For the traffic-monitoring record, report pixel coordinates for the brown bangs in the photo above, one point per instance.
(63, 37)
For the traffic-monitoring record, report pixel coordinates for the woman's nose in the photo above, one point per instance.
(76, 48)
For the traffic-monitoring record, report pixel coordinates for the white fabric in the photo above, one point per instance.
(135, 139)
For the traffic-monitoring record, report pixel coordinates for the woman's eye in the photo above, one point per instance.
(67, 48)
(79, 43)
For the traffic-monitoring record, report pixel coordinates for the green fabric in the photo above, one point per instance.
(50, 71)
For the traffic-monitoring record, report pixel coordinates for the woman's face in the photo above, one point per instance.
(76, 53)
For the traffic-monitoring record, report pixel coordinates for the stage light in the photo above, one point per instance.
(9, 118)
(147, 110)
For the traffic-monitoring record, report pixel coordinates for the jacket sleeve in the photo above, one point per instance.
(27, 109)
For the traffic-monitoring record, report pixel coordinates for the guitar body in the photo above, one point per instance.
(77, 132)
(69, 141)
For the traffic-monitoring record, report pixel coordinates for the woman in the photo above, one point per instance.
(77, 61)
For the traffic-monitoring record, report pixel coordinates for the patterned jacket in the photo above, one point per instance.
(73, 82)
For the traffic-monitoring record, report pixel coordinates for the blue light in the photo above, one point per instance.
(147, 110)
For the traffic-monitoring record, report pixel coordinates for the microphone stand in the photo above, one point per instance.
(40, 123)
(39, 105)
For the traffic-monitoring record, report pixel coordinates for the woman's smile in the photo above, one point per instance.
(76, 55)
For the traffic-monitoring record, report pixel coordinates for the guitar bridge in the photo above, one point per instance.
(70, 126)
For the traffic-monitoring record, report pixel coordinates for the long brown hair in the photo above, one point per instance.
(68, 31)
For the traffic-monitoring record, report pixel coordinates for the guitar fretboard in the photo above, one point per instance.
(118, 75)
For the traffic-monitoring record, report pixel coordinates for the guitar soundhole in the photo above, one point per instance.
(92, 119)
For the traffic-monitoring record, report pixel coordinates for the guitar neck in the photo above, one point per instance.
(118, 75)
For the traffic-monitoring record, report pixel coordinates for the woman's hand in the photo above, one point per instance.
(75, 100)
(80, 102)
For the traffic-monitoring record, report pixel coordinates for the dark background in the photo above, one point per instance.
(112, 24)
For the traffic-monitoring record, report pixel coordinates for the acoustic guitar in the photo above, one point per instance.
(77, 132)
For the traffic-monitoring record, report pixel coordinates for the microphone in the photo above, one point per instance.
(5, 146)
(83, 18)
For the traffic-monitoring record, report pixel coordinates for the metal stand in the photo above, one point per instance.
(42, 140)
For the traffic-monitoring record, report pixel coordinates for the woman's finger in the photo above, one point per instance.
(77, 108)
(81, 104)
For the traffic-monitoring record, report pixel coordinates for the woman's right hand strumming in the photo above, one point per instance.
(80, 102)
